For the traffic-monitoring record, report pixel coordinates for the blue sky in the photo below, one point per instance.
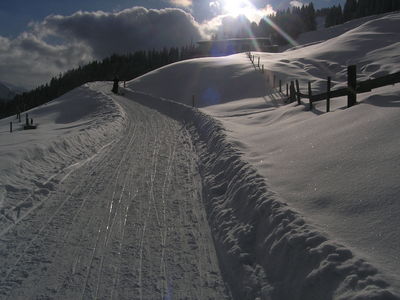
(41, 38)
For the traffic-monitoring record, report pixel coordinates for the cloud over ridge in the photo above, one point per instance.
(59, 43)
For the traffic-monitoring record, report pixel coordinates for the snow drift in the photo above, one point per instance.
(71, 129)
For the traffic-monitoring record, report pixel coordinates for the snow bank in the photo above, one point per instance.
(266, 250)
(71, 129)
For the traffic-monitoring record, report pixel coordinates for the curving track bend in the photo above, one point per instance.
(128, 224)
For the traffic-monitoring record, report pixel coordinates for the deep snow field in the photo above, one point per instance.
(301, 204)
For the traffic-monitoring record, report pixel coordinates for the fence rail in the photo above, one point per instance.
(353, 88)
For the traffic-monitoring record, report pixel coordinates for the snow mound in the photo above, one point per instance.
(371, 46)
(266, 250)
(70, 131)
(211, 80)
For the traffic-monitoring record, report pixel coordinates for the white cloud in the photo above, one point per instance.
(59, 43)
(181, 3)
(296, 3)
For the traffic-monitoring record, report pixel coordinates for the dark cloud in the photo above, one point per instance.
(132, 29)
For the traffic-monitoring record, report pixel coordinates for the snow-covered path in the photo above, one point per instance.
(128, 224)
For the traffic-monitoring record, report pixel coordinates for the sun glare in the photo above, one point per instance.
(237, 7)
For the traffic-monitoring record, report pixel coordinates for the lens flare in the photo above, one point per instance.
(237, 7)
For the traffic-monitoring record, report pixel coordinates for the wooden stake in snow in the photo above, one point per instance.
(287, 89)
(310, 94)
(10, 126)
(328, 95)
(280, 85)
(258, 61)
(292, 92)
(351, 85)
(298, 92)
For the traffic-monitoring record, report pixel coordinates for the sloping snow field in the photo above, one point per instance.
(135, 196)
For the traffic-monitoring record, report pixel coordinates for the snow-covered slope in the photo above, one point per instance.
(340, 170)
(71, 129)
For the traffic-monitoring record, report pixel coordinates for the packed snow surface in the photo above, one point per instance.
(124, 221)
(340, 171)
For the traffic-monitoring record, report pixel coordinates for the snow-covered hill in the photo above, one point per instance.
(339, 170)
(70, 129)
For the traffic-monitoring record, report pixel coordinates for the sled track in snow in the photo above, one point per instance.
(115, 228)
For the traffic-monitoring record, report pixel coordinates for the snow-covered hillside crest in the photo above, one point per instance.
(336, 170)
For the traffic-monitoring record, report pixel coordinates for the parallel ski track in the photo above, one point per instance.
(117, 232)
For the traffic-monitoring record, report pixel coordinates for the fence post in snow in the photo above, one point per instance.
(292, 96)
(351, 85)
(258, 62)
(280, 85)
(287, 89)
(328, 95)
(10, 126)
(26, 119)
(310, 94)
(298, 92)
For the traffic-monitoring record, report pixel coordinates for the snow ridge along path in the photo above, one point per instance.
(266, 250)
(129, 224)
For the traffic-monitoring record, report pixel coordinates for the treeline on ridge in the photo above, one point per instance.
(354, 9)
(125, 67)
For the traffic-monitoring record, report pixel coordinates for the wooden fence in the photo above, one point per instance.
(353, 88)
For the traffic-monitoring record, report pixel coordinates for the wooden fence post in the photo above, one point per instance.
(287, 89)
(10, 126)
(258, 62)
(328, 95)
(310, 94)
(351, 85)
(292, 92)
(280, 85)
(298, 92)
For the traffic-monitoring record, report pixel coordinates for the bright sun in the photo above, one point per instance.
(236, 7)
